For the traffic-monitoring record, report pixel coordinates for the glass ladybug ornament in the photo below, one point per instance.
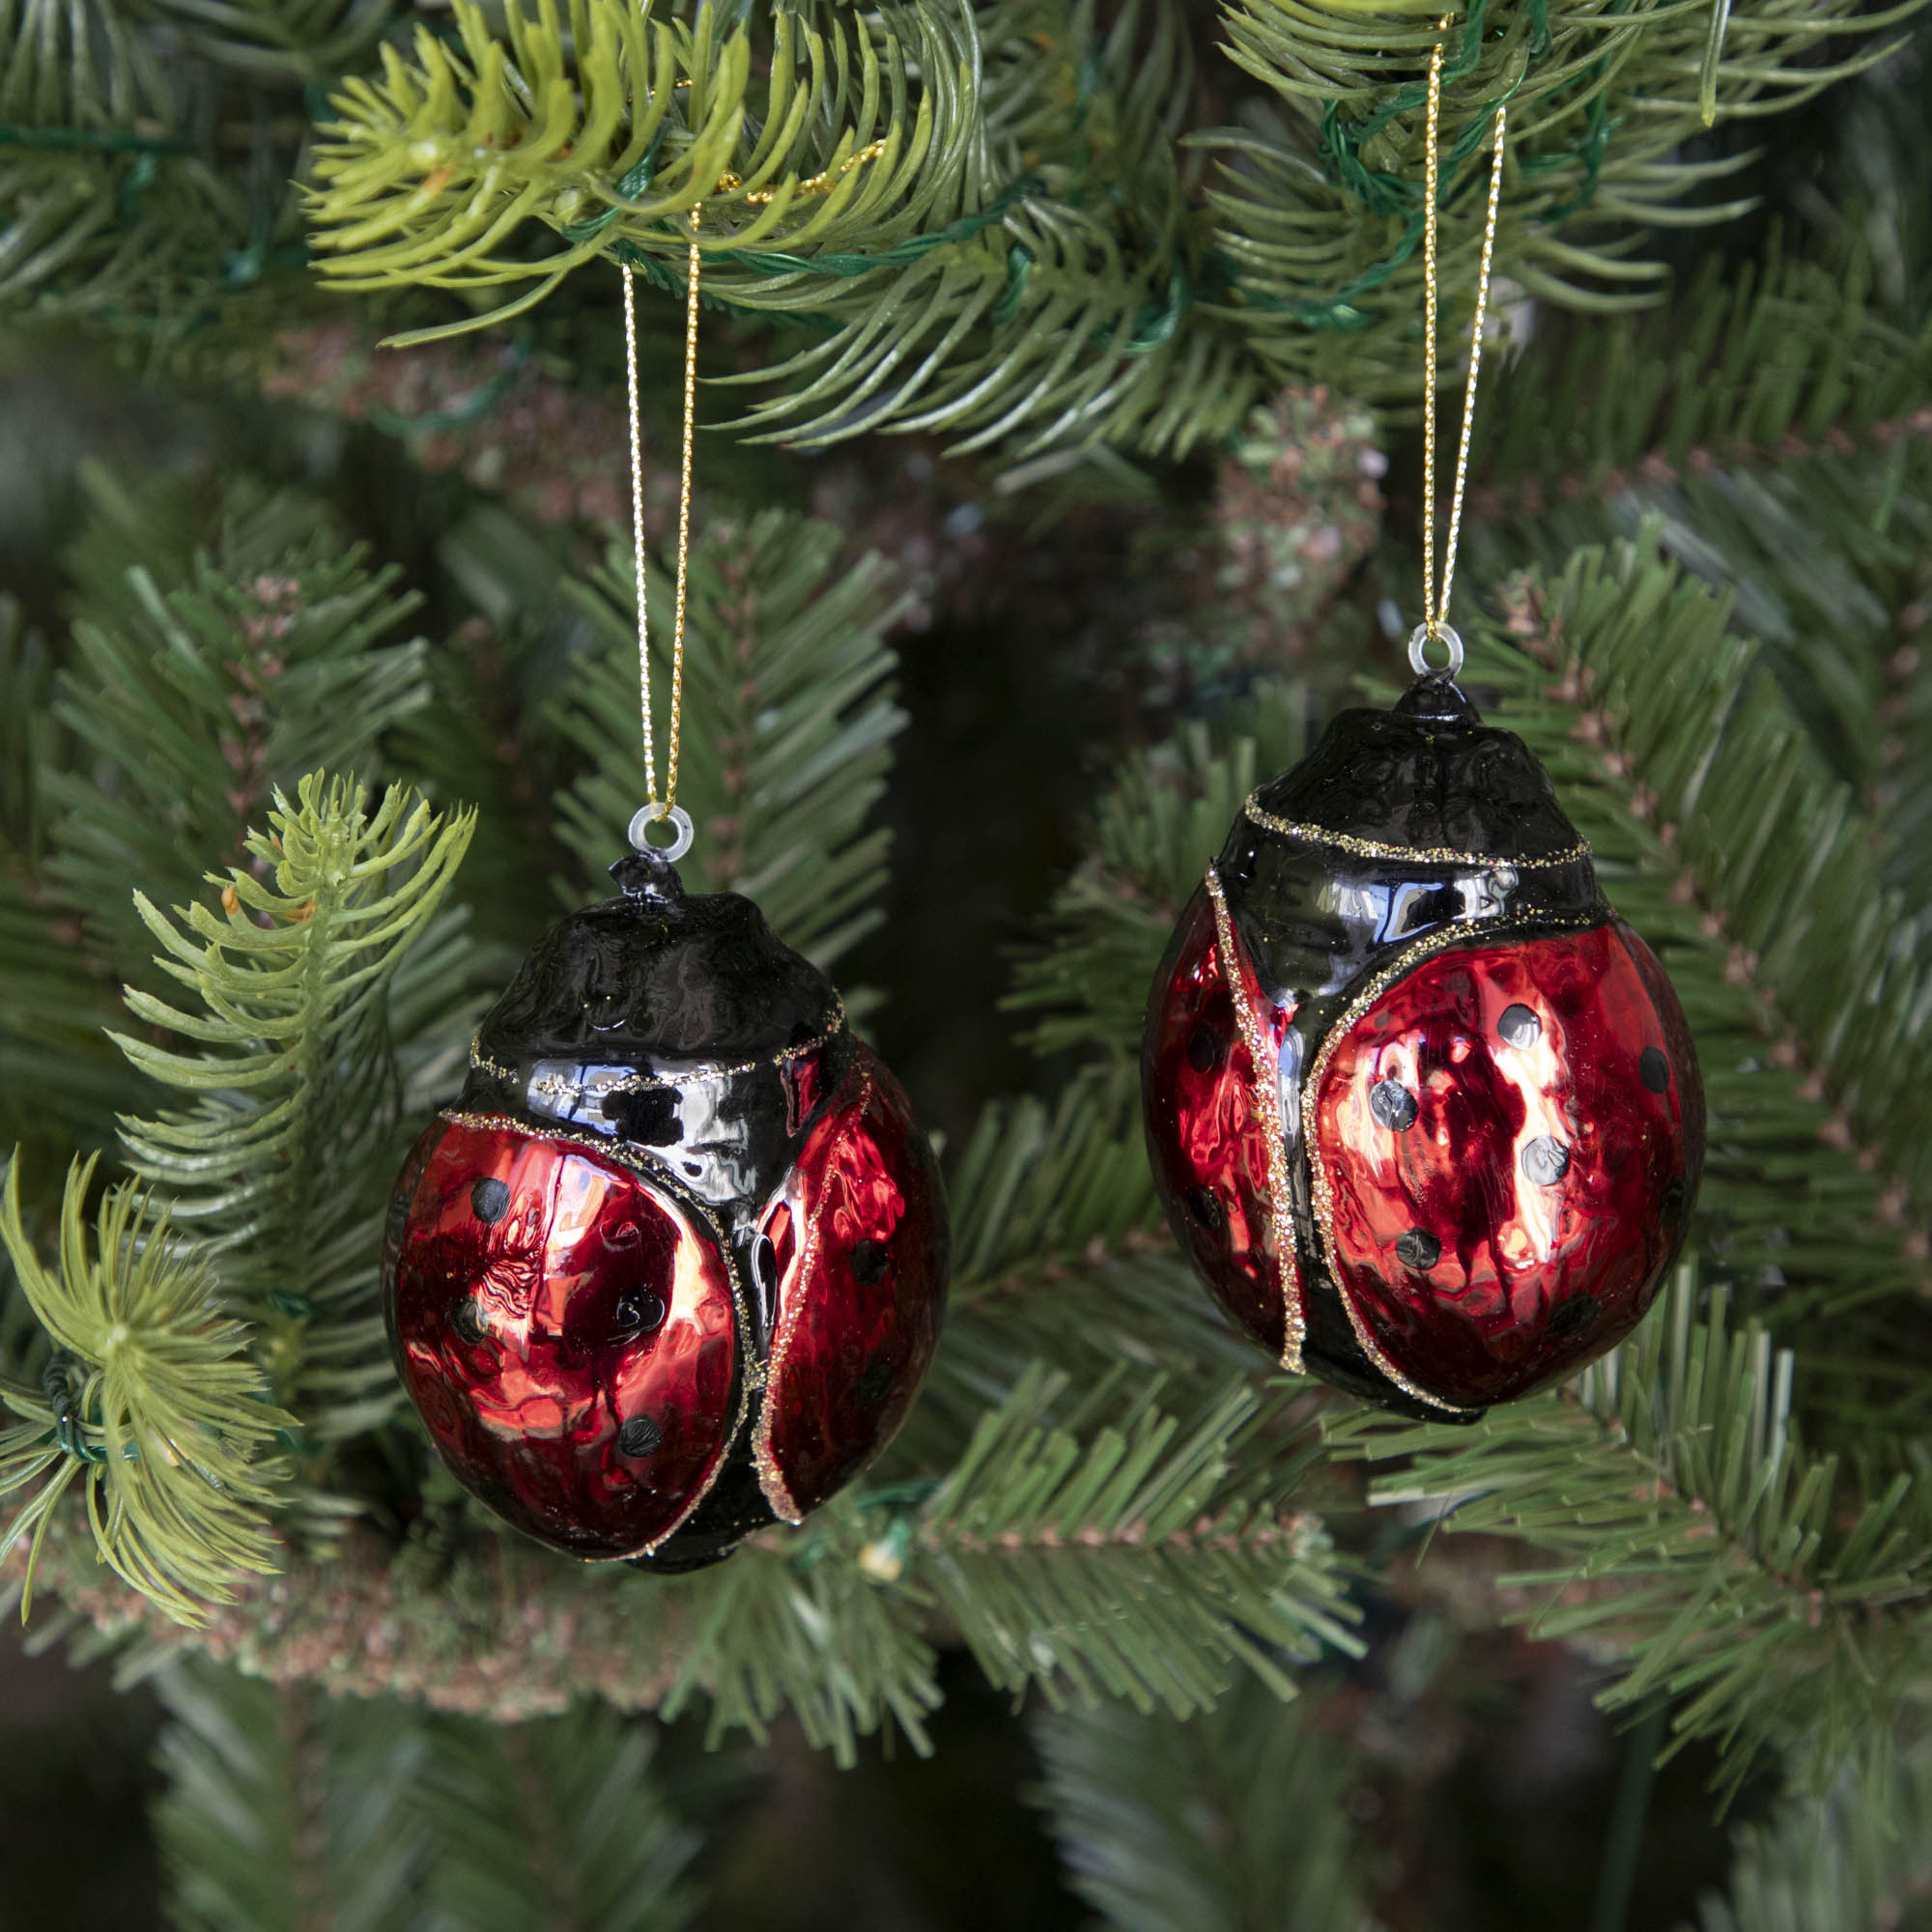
(673, 1265)
(1424, 1111)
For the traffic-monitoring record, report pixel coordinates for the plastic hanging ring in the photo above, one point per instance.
(1418, 651)
(647, 815)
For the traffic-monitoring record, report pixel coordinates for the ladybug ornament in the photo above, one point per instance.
(1423, 1110)
(673, 1265)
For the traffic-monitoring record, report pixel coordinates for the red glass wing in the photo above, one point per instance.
(1677, 1048)
(858, 1237)
(567, 1332)
(1510, 1136)
(1208, 1142)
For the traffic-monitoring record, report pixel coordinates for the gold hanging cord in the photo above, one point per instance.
(666, 807)
(1435, 627)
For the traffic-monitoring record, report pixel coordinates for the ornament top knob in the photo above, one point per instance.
(1426, 777)
(1435, 698)
(647, 874)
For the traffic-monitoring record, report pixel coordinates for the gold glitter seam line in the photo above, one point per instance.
(1420, 855)
(1320, 1191)
(1268, 1097)
(639, 1083)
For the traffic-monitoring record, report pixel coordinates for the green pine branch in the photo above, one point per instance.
(1058, 1257)
(1064, 313)
(560, 1822)
(1860, 1857)
(616, 128)
(287, 42)
(280, 1169)
(1234, 1820)
(1038, 1186)
(1558, 61)
(490, 730)
(61, 1081)
(121, 211)
(1322, 213)
(1146, 1557)
(1775, 427)
(286, 1808)
(79, 66)
(199, 684)
(795, 1622)
(1025, 279)
(1875, 201)
(1073, 319)
(1094, 1546)
(475, 1624)
(1681, 1529)
(1140, 1558)
(1755, 363)
(1041, 339)
(149, 523)
(789, 713)
(1156, 832)
(148, 1399)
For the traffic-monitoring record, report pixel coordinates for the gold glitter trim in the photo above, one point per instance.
(754, 1371)
(1421, 855)
(1266, 1094)
(1321, 1196)
(555, 1086)
(483, 1064)
(764, 1459)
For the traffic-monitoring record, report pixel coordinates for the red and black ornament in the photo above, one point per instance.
(1425, 1112)
(673, 1265)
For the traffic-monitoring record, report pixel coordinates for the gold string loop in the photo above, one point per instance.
(1435, 627)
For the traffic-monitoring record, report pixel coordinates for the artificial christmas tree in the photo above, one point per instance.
(1058, 481)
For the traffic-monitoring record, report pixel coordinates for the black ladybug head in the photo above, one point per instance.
(1397, 826)
(658, 977)
(674, 1023)
(1426, 774)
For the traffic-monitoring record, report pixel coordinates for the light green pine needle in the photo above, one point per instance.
(170, 1427)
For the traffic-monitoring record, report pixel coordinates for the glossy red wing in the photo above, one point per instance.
(1509, 1151)
(568, 1334)
(857, 1233)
